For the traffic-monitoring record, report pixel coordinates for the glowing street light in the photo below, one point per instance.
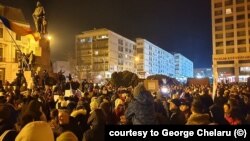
(48, 37)
(99, 77)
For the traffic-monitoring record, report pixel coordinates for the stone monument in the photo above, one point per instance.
(42, 61)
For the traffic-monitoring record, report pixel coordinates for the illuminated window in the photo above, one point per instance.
(229, 11)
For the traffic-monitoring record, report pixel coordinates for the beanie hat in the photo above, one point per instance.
(67, 136)
(36, 131)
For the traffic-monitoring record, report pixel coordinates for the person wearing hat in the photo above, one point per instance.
(185, 109)
(7, 121)
(198, 116)
(141, 110)
(36, 131)
(67, 136)
(67, 123)
(177, 117)
(97, 122)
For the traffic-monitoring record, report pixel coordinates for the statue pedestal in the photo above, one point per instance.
(43, 62)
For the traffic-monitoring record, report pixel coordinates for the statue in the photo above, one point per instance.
(24, 61)
(44, 26)
(31, 60)
(39, 17)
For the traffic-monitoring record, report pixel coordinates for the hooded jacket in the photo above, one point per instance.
(141, 110)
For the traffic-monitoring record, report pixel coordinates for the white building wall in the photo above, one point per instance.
(155, 60)
(183, 66)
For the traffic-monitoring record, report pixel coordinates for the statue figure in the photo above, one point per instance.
(38, 17)
(44, 26)
(31, 60)
(24, 61)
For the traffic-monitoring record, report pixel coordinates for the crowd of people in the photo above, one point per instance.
(43, 115)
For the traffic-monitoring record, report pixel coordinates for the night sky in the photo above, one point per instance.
(182, 26)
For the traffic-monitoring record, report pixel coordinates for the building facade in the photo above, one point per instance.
(184, 67)
(100, 52)
(151, 60)
(12, 45)
(231, 29)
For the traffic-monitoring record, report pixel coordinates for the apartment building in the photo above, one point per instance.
(100, 52)
(184, 67)
(230, 28)
(151, 60)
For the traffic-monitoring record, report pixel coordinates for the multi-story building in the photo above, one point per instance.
(183, 67)
(231, 30)
(100, 52)
(151, 60)
(11, 45)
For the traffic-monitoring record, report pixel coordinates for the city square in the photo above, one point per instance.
(65, 75)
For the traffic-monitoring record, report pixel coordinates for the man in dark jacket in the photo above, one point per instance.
(67, 123)
(177, 117)
(141, 109)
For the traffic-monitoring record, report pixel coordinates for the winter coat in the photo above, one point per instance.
(177, 117)
(198, 119)
(141, 110)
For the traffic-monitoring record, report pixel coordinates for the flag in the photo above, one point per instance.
(19, 30)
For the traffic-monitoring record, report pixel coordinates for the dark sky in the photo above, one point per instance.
(182, 26)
